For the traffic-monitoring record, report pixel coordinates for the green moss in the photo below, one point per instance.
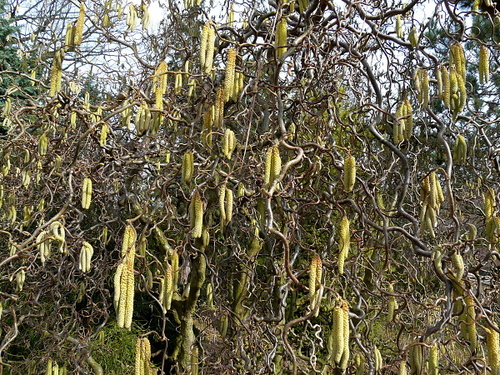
(114, 350)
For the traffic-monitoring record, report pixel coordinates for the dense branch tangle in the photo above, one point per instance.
(312, 187)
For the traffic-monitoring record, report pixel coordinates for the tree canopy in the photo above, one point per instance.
(249, 187)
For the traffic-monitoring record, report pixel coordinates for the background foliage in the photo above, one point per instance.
(246, 296)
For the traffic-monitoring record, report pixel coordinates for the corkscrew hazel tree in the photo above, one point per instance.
(317, 193)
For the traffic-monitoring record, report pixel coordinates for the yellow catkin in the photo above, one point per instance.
(25, 178)
(346, 352)
(238, 86)
(359, 360)
(276, 163)
(408, 112)
(344, 243)
(493, 350)
(281, 37)
(428, 220)
(2, 192)
(228, 143)
(399, 125)
(206, 134)
(338, 334)
(209, 58)
(139, 118)
(143, 357)
(147, 356)
(174, 259)
(399, 26)
(230, 16)
(210, 296)
(86, 193)
(495, 231)
(241, 82)
(86, 254)
(303, 5)
(219, 108)
(454, 94)
(203, 44)
(484, 64)
(437, 192)
(272, 166)
(460, 150)
(20, 279)
(162, 75)
(116, 282)
(453, 88)
(417, 80)
(489, 203)
(167, 288)
(141, 246)
(129, 242)
(160, 83)
(462, 94)
(458, 264)
(267, 168)
(392, 305)
(129, 293)
(78, 32)
(452, 56)
(230, 74)
(416, 359)
(56, 73)
(178, 83)
(446, 97)
(124, 279)
(434, 360)
(106, 22)
(424, 79)
(349, 172)
(205, 239)
(70, 36)
(149, 279)
(413, 37)
(196, 215)
(470, 322)
(439, 82)
(377, 356)
(400, 130)
(222, 205)
(315, 274)
(139, 360)
(131, 18)
(312, 277)
(104, 135)
(229, 206)
(432, 196)
(146, 17)
(48, 370)
(126, 300)
(472, 232)
(492, 229)
(187, 167)
(319, 269)
(459, 59)
(403, 370)
(156, 121)
(7, 107)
